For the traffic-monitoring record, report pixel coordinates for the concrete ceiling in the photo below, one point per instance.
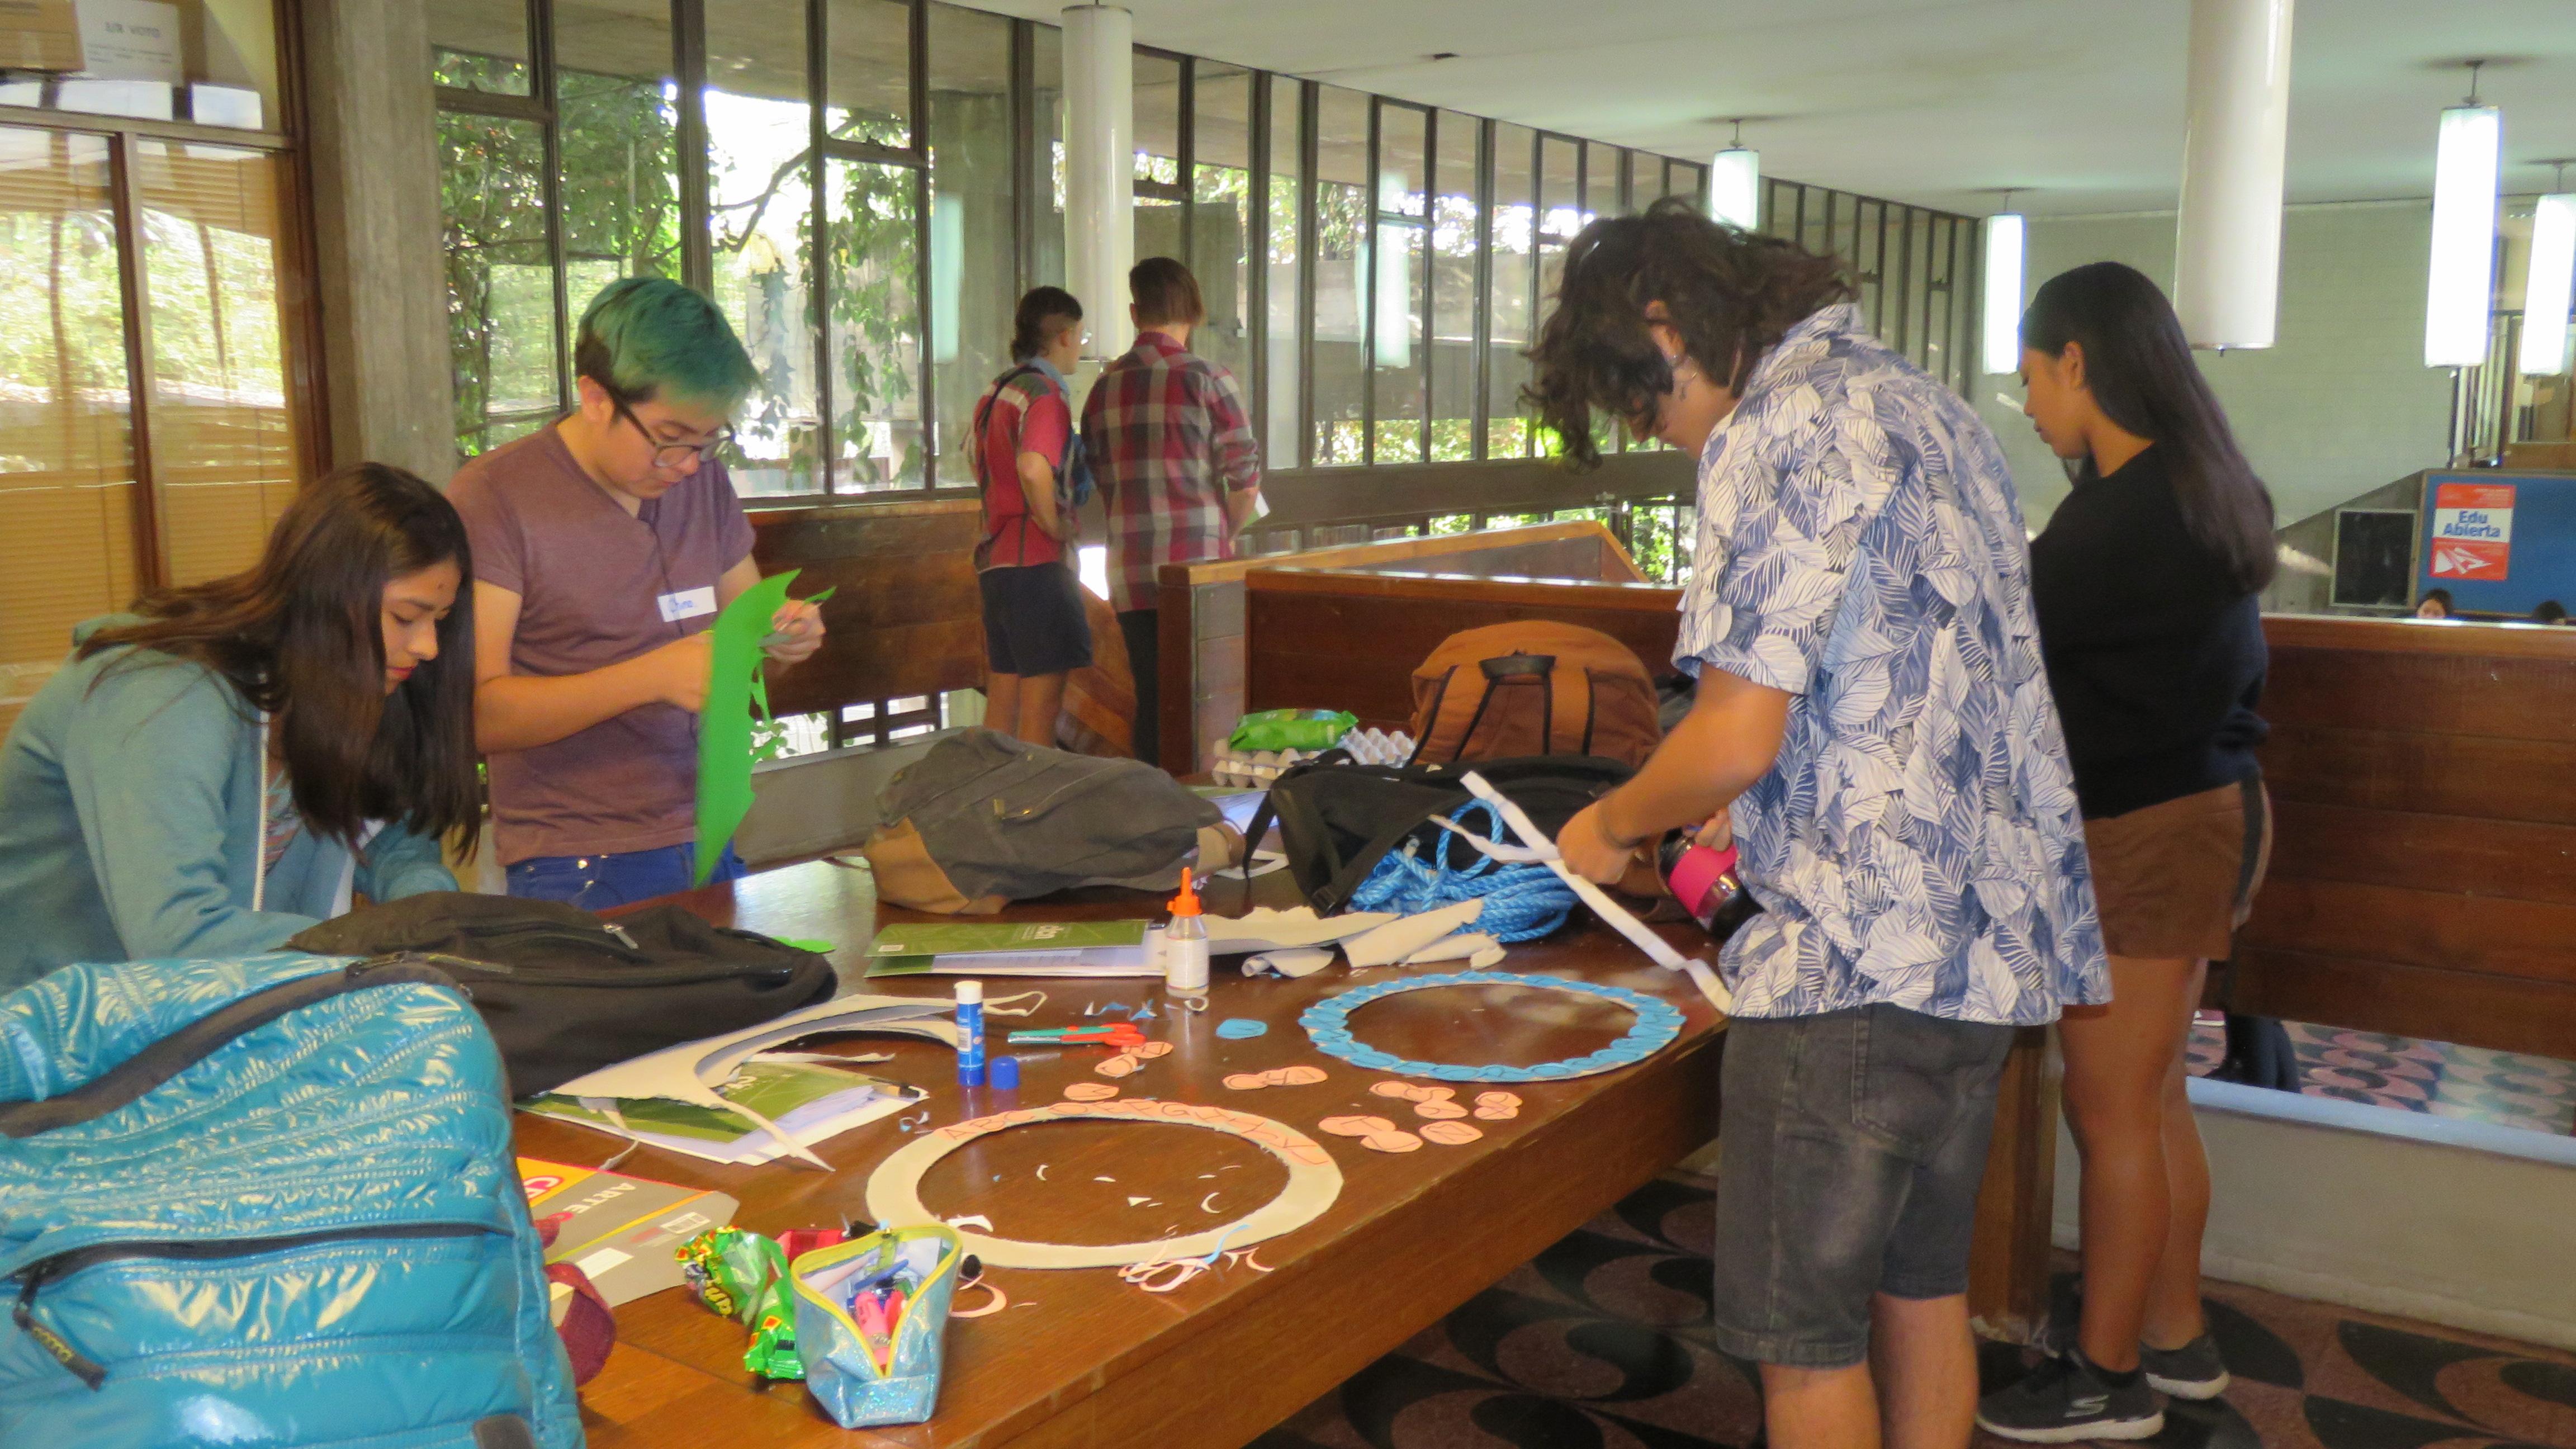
(1940, 102)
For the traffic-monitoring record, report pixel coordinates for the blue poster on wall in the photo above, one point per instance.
(2500, 542)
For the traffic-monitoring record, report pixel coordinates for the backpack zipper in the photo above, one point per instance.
(93, 1373)
(665, 976)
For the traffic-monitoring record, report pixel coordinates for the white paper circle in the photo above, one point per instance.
(1314, 1181)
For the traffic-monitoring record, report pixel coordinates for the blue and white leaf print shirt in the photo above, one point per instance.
(1918, 841)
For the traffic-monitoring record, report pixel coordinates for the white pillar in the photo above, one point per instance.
(1100, 169)
(2227, 252)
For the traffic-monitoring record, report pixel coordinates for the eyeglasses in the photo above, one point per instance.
(672, 455)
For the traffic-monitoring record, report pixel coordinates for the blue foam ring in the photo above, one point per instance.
(1657, 1024)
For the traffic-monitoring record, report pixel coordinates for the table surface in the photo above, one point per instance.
(1081, 1357)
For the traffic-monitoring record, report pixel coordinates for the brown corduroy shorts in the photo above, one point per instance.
(2175, 880)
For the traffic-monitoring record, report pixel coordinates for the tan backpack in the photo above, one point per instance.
(1533, 688)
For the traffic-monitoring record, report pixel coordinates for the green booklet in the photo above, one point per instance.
(812, 1101)
(967, 938)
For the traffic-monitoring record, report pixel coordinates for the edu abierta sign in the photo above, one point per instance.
(2472, 531)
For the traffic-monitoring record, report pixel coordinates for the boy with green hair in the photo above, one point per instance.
(604, 547)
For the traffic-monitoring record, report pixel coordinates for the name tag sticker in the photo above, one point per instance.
(687, 604)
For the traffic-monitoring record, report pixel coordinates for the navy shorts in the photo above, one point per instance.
(1850, 1148)
(599, 882)
(1033, 620)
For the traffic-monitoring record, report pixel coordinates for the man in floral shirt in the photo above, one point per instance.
(1873, 720)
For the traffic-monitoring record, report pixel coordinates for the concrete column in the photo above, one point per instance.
(1100, 168)
(2227, 253)
(372, 145)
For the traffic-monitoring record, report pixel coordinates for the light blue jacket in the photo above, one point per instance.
(130, 825)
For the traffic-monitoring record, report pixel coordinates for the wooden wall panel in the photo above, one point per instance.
(2424, 870)
(906, 617)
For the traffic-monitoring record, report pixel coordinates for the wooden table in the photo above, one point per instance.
(1081, 1358)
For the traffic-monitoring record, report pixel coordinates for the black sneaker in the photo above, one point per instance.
(2066, 1400)
(2193, 1371)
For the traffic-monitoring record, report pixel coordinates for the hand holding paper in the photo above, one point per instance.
(796, 630)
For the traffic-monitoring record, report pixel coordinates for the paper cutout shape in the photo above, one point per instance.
(1399, 939)
(691, 1071)
(1150, 1050)
(1241, 1028)
(1089, 1092)
(1438, 1111)
(1275, 1077)
(724, 723)
(1291, 963)
(894, 1191)
(1408, 1092)
(1121, 1065)
(1477, 949)
(1450, 1134)
(1499, 1101)
(1538, 846)
(1356, 1126)
(1274, 930)
(1657, 1024)
(1396, 1141)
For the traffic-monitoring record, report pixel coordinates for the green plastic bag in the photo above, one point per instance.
(1291, 729)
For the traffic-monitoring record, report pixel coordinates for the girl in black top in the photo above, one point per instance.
(2146, 581)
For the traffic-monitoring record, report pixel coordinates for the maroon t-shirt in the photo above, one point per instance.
(591, 580)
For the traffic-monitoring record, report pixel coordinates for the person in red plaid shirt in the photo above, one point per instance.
(1178, 468)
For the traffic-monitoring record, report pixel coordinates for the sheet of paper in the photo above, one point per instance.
(724, 725)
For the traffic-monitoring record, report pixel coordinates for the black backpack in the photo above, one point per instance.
(1337, 819)
(566, 993)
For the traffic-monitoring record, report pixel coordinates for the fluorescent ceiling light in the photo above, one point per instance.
(1735, 187)
(2002, 326)
(2545, 286)
(2461, 284)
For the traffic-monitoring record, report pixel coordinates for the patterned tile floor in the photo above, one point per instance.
(1602, 1343)
(2509, 1088)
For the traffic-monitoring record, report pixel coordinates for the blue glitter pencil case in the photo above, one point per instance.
(870, 1317)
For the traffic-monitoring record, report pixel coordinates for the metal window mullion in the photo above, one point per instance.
(151, 542)
(1256, 247)
(1531, 269)
(697, 222)
(1024, 191)
(1309, 228)
(1951, 332)
(1878, 267)
(928, 408)
(1369, 268)
(1427, 343)
(1480, 410)
(818, 233)
(1185, 142)
(541, 72)
(1905, 286)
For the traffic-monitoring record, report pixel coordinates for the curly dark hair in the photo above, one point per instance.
(1730, 294)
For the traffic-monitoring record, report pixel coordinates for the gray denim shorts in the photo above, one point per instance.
(1850, 1149)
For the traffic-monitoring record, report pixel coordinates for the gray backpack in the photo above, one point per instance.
(984, 819)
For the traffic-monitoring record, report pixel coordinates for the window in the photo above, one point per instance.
(150, 349)
(210, 65)
(1220, 216)
(1457, 223)
(973, 238)
(1341, 210)
(867, 186)
(1512, 291)
(1400, 285)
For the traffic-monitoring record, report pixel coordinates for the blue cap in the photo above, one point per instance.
(1006, 1074)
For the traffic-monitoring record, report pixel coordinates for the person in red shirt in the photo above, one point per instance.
(1027, 464)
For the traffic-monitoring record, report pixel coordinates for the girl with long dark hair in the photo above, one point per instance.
(214, 772)
(2147, 579)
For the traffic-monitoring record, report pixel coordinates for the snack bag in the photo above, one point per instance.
(1291, 729)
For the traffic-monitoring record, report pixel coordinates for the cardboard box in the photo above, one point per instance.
(40, 35)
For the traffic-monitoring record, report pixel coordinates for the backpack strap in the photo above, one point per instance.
(1571, 696)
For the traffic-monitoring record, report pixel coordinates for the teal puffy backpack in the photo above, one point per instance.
(266, 1203)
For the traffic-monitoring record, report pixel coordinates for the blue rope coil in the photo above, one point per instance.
(1522, 901)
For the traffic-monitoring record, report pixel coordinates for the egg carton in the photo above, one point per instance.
(1255, 769)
